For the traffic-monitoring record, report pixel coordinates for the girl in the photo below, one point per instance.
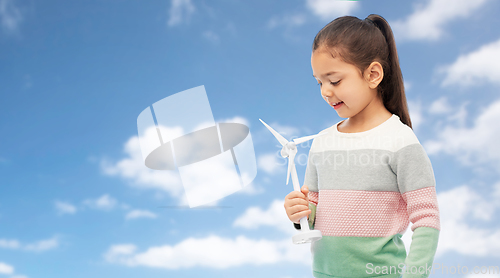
(369, 176)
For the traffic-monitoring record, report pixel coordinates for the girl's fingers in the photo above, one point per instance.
(305, 191)
(296, 209)
(297, 201)
(297, 205)
(299, 215)
(295, 194)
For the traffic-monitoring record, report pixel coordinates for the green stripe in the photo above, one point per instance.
(358, 256)
(312, 216)
(422, 250)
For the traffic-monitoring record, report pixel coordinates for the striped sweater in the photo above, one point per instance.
(364, 190)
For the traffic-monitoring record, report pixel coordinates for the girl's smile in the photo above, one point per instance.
(337, 105)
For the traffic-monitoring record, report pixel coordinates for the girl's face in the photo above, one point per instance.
(342, 82)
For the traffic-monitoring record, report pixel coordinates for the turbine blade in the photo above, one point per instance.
(291, 163)
(278, 136)
(300, 140)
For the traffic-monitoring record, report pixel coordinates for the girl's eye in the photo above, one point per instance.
(333, 83)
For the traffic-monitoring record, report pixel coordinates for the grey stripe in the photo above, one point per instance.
(370, 169)
(413, 168)
(311, 177)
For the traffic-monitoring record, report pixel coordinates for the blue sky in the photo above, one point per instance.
(77, 202)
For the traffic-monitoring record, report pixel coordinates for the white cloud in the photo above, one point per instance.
(270, 164)
(211, 36)
(287, 20)
(195, 181)
(429, 19)
(9, 244)
(43, 245)
(132, 168)
(251, 189)
(407, 85)
(326, 10)
(440, 106)
(461, 202)
(168, 133)
(6, 269)
(210, 180)
(118, 250)
(456, 207)
(477, 144)
(236, 119)
(460, 115)
(10, 16)
(218, 252)
(105, 202)
(210, 252)
(448, 113)
(180, 11)
(329, 10)
(274, 216)
(39, 246)
(64, 207)
(415, 109)
(474, 68)
(137, 213)
(285, 130)
(496, 191)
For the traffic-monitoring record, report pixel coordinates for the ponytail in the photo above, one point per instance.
(393, 91)
(361, 42)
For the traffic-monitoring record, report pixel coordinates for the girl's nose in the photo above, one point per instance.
(326, 93)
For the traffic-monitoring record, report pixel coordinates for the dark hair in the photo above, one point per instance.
(361, 42)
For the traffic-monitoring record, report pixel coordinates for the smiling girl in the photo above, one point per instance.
(369, 177)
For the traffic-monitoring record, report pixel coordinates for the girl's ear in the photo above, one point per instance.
(374, 74)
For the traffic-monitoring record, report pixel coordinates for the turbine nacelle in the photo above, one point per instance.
(289, 149)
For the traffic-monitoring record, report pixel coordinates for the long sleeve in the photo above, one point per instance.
(422, 249)
(311, 180)
(417, 184)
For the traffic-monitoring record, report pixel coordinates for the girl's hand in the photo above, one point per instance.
(297, 204)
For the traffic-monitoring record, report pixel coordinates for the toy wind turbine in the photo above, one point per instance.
(290, 150)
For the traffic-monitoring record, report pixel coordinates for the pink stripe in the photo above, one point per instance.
(423, 207)
(360, 213)
(313, 197)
